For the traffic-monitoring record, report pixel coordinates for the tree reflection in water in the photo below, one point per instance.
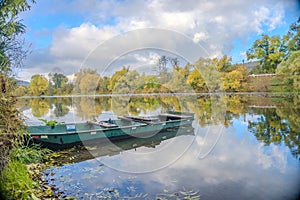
(276, 120)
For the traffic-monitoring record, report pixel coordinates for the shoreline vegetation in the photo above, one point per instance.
(20, 165)
(163, 94)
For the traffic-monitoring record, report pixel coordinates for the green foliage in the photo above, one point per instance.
(270, 51)
(127, 83)
(89, 83)
(11, 126)
(11, 50)
(79, 76)
(290, 71)
(29, 153)
(15, 182)
(38, 85)
(116, 76)
(59, 80)
(59, 84)
(294, 36)
(223, 64)
(49, 122)
(209, 71)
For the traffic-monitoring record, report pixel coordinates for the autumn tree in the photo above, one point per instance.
(236, 79)
(38, 85)
(79, 76)
(223, 64)
(89, 83)
(149, 84)
(209, 71)
(128, 83)
(116, 77)
(179, 83)
(196, 81)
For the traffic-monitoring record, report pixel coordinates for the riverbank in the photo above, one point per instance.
(22, 177)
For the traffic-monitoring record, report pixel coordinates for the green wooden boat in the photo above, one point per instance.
(65, 135)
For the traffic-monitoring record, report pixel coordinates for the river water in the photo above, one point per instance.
(239, 147)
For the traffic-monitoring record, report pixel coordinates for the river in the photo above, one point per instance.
(239, 147)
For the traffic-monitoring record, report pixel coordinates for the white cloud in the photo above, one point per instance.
(213, 24)
(199, 37)
(79, 41)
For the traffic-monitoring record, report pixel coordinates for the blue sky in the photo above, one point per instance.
(62, 33)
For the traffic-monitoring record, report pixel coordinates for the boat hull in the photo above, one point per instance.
(84, 133)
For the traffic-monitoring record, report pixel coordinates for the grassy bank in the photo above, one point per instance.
(18, 180)
(268, 84)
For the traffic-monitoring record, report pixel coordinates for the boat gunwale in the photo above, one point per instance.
(106, 129)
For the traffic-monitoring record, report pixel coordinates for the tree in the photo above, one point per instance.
(290, 70)
(294, 36)
(12, 129)
(270, 51)
(38, 85)
(162, 69)
(12, 50)
(196, 81)
(128, 83)
(209, 71)
(223, 64)
(79, 75)
(103, 85)
(89, 83)
(235, 80)
(21, 91)
(116, 77)
(59, 80)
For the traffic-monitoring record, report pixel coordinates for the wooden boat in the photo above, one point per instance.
(65, 135)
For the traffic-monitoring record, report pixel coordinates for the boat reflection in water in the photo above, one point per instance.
(113, 147)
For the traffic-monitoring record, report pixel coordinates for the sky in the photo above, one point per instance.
(65, 36)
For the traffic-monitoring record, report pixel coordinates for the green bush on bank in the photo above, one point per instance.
(15, 179)
(16, 182)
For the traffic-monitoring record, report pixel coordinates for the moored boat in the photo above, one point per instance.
(69, 134)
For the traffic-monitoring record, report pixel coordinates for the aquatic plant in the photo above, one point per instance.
(50, 122)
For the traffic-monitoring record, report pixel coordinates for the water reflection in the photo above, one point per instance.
(253, 156)
(274, 121)
(238, 167)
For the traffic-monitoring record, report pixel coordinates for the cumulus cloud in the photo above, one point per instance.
(213, 24)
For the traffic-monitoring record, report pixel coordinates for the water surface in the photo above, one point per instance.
(239, 147)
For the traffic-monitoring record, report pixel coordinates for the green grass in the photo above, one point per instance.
(15, 179)
(27, 154)
(267, 84)
(15, 182)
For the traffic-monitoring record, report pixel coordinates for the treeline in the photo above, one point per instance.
(219, 74)
(274, 54)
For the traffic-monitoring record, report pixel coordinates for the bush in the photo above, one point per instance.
(15, 182)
